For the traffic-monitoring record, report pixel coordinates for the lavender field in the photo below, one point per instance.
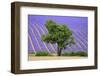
(36, 28)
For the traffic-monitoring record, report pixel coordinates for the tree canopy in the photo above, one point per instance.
(58, 33)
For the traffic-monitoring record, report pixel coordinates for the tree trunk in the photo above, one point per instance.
(59, 51)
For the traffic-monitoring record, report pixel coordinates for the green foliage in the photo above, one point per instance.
(58, 33)
(82, 53)
(43, 54)
(79, 53)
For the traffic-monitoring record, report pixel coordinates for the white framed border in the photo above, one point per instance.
(25, 64)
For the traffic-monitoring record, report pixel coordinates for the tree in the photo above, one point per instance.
(58, 33)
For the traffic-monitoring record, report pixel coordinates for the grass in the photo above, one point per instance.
(43, 53)
(79, 53)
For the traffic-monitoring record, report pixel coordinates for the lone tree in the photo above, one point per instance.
(58, 33)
